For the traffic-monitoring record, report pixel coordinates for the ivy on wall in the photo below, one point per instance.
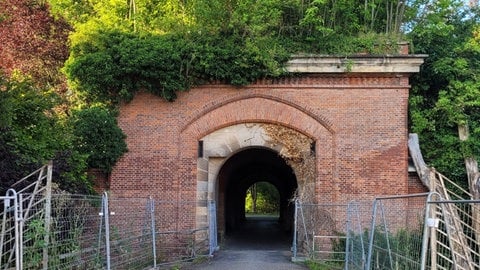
(114, 65)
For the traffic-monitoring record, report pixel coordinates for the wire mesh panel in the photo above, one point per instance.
(396, 232)
(68, 238)
(130, 233)
(320, 233)
(358, 224)
(178, 238)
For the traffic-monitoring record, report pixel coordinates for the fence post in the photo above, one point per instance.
(152, 228)
(429, 213)
(372, 230)
(294, 242)
(106, 214)
(19, 223)
(212, 210)
(48, 211)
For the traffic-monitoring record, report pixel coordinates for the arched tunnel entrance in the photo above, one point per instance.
(237, 175)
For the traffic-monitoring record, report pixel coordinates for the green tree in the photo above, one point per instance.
(444, 107)
(32, 133)
(263, 198)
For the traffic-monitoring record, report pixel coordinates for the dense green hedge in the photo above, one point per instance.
(115, 65)
(98, 137)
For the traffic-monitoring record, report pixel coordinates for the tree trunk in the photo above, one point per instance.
(471, 165)
(423, 171)
(253, 191)
(473, 175)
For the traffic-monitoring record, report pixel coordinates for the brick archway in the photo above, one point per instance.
(238, 124)
(357, 119)
(225, 152)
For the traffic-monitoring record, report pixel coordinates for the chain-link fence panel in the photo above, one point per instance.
(130, 231)
(320, 233)
(178, 237)
(358, 225)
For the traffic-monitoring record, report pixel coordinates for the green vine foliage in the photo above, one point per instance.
(167, 46)
(114, 65)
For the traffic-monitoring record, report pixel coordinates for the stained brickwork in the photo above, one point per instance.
(359, 125)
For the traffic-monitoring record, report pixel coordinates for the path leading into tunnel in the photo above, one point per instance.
(260, 243)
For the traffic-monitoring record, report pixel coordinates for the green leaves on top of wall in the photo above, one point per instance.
(119, 47)
(112, 65)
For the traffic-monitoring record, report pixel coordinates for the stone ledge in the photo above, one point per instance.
(355, 64)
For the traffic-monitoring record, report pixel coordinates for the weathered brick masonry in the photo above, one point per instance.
(357, 119)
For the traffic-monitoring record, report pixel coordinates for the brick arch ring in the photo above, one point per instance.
(245, 113)
(258, 108)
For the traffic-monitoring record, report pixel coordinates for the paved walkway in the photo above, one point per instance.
(249, 259)
(260, 244)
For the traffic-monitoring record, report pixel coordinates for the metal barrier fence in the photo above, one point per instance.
(97, 232)
(18, 208)
(384, 234)
(320, 233)
(416, 231)
(453, 233)
(396, 232)
(10, 252)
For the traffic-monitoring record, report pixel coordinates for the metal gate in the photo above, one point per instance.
(20, 208)
(10, 238)
(453, 234)
(319, 233)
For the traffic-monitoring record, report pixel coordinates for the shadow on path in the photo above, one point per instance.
(260, 243)
(259, 233)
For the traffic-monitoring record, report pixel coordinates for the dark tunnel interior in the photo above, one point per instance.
(239, 172)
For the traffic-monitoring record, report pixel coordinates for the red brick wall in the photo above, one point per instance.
(359, 124)
(100, 180)
(415, 184)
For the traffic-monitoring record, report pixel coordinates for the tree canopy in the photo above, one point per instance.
(446, 93)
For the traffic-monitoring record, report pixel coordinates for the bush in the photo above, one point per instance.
(98, 137)
(32, 132)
